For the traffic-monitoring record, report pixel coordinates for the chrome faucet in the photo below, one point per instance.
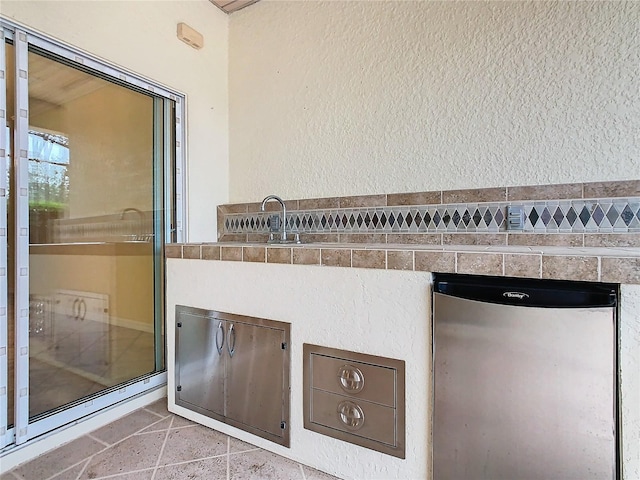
(283, 237)
(132, 209)
(139, 235)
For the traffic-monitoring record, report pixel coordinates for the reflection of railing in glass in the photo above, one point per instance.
(104, 228)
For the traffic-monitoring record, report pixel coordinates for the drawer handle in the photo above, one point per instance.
(351, 415)
(351, 379)
(219, 335)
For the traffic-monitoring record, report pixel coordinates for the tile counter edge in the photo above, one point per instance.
(614, 265)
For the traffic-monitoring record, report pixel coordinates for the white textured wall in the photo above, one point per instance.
(380, 312)
(374, 311)
(141, 37)
(360, 97)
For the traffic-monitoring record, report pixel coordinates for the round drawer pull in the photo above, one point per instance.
(351, 415)
(351, 379)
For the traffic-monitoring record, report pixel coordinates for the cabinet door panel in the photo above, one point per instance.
(255, 377)
(199, 365)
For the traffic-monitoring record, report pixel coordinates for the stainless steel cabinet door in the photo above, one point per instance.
(255, 376)
(200, 365)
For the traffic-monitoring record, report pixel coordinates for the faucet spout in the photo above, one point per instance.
(284, 213)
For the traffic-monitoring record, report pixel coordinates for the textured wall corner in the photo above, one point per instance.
(630, 380)
(343, 98)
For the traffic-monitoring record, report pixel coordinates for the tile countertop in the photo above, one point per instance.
(604, 264)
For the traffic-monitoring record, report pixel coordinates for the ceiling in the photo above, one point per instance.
(230, 6)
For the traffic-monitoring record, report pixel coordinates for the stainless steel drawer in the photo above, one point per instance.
(354, 416)
(367, 382)
(355, 397)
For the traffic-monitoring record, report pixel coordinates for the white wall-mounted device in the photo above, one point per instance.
(190, 36)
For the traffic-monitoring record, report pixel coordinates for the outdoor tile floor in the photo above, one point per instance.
(153, 444)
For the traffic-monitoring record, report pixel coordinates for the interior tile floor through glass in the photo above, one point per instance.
(72, 364)
(153, 444)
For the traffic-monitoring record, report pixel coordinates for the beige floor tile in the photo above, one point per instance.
(57, 460)
(159, 407)
(125, 426)
(179, 422)
(190, 451)
(193, 444)
(210, 469)
(313, 474)
(262, 465)
(135, 453)
(71, 473)
(238, 446)
(160, 426)
(142, 475)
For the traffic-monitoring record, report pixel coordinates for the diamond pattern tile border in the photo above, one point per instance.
(607, 215)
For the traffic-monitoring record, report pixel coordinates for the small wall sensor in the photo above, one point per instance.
(190, 36)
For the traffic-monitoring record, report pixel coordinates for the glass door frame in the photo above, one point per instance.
(6, 435)
(170, 175)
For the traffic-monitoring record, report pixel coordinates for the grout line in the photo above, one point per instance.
(107, 447)
(184, 462)
(228, 457)
(84, 468)
(166, 437)
(183, 427)
(304, 477)
(250, 450)
(139, 434)
(97, 440)
(155, 413)
(120, 475)
(20, 477)
(142, 430)
(540, 276)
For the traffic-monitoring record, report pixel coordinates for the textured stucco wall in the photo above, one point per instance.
(141, 37)
(361, 97)
(379, 312)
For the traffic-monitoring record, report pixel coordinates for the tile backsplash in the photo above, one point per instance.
(394, 218)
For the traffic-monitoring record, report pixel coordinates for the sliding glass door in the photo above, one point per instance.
(90, 200)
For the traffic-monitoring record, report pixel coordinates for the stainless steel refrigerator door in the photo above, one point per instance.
(522, 392)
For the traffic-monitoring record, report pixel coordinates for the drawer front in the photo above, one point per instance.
(364, 381)
(354, 416)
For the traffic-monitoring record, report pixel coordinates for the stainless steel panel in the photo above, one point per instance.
(354, 416)
(235, 369)
(377, 383)
(378, 424)
(200, 367)
(523, 392)
(255, 375)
